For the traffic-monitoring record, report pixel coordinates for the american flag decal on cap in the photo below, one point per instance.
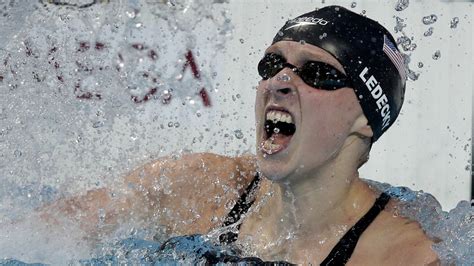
(395, 56)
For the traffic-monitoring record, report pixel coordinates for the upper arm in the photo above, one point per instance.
(394, 240)
(190, 194)
(411, 245)
(184, 195)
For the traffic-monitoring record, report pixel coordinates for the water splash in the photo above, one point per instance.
(454, 230)
(81, 83)
(406, 43)
(436, 55)
(61, 60)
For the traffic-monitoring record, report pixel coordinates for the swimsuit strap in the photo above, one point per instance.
(343, 250)
(240, 208)
(341, 253)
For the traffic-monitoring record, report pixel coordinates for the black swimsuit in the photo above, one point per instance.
(339, 255)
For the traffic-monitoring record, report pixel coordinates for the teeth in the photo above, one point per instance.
(279, 116)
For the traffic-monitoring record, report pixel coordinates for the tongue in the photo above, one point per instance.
(280, 139)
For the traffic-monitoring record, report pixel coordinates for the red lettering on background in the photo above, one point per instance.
(28, 50)
(83, 46)
(84, 67)
(99, 46)
(153, 55)
(146, 97)
(191, 62)
(85, 95)
(139, 46)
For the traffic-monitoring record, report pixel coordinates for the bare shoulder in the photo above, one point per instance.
(190, 193)
(208, 166)
(182, 195)
(395, 240)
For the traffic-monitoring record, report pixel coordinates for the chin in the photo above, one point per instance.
(273, 169)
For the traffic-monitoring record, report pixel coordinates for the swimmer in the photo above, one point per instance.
(332, 83)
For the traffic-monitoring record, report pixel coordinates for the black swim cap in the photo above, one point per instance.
(366, 50)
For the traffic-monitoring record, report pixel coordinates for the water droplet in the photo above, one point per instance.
(131, 14)
(284, 78)
(363, 12)
(176, 124)
(165, 96)
(427, 20)
(429, 32)
(241, 40)
(454, 22)
(412, 75)
(353, 4)
(97, 124)
(401, 5)
(170, 124)
(276, 130)
(280, 33)
(17, 153)
(230, 204)
(238, 134)
(437, 55)
(322, 36)
(399, 25)
(420, 65)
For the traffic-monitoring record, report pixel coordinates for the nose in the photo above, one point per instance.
(283, 91)
(281, 84)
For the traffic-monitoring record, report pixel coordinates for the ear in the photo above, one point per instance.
(361, 127)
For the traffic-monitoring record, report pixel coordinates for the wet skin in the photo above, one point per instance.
(318, 170)
(323, 119)
(316, 193)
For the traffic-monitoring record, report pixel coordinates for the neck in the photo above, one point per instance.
(328, 197)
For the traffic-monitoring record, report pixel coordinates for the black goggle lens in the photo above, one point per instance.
(316, 74)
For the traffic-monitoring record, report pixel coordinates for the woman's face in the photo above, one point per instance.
(322, 119)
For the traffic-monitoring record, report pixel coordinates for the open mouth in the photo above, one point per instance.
(279, 129)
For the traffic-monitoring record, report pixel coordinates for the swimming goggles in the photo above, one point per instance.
(318, 75)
